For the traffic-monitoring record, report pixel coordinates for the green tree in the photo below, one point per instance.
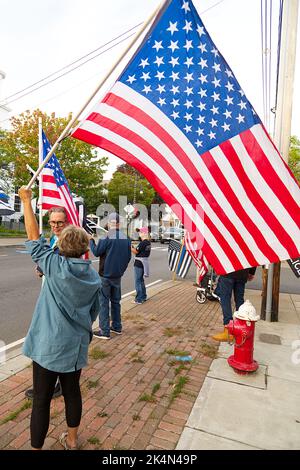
(122, 184)
(129, 170)
(6, 166)
(294, 157)
(79, 161)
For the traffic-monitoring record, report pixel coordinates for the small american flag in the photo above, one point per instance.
(179, 116)
(55, 189)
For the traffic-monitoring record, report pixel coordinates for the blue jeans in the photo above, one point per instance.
(140, 288)
(110, 292)
(226, 286)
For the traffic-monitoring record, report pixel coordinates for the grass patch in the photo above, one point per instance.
(150, 398)
(139, 360)
(178, 388)
(7, 232)
(172, 331)
(93, 440)
(14, 414)
(97, 353)
(180, 369)
(136, 417)
(118, 447)
(134, 354)
(92, 384)
(208, 350)
(102, 414)
(133, 316)
(176, 352)
(147, 397)
(155, 388)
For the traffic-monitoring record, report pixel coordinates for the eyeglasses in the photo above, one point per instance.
(57, 224)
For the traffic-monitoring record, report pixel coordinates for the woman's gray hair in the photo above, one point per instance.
(73, 242)
(58, 209)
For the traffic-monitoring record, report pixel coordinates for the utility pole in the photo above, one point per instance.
(282, 134)
(134, 187)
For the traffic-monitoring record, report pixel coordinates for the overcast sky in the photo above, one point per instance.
(39, 37)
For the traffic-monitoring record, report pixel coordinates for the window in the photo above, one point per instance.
(17, 203)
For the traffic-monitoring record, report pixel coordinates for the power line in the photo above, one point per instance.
(72, 63)
(69, 71)
(5, 102)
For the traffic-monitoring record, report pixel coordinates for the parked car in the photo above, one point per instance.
(156, 233)
(175, 233)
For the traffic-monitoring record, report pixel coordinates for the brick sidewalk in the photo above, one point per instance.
(134, 395)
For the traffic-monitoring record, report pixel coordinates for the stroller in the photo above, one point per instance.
(206, 289)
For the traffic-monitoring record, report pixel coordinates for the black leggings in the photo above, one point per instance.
(44, 381)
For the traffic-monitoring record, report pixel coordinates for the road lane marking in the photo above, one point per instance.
(3, 255)
(148, 285)
(159, 248)
(12, 345)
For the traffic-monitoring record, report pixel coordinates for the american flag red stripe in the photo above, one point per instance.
(197, 256)
(223, 177)
(55, 189)
(58, 198)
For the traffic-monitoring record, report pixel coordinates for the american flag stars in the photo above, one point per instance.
(185, 72)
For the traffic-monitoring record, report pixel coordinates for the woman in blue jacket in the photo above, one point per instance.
(61, 326)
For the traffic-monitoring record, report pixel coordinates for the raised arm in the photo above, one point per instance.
(31, 225)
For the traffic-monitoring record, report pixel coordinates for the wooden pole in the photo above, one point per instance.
(264, 292)
(74, 119)
(275, 292)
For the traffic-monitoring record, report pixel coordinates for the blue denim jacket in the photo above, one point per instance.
(61, 326)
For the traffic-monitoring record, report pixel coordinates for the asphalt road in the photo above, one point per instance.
(19, 286)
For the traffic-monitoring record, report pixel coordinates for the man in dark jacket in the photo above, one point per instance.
(115, 253)
(233, 282)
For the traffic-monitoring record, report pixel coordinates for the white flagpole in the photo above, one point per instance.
(74, 119)
(41, 180)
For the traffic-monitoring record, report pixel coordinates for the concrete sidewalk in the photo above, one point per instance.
(258, 411)
(4, 241)
(138, 395)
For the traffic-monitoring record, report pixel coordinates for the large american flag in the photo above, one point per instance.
(197, 256)
(178, 115)
(55, 189)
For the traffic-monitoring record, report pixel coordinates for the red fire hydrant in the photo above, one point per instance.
(242, 327)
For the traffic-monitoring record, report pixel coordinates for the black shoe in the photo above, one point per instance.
(117, 332)
(57, 392)
(100, 335)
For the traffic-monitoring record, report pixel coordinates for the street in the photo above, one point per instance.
(20, 287)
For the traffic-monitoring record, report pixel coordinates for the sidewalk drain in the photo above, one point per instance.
(270, 339)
